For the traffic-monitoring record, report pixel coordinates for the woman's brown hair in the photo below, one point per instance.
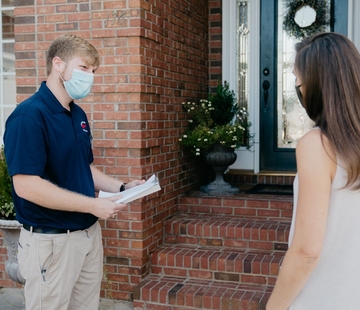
(329, 67)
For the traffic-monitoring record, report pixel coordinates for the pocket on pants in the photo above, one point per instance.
(45, 256)
(49, 252)
(23, 256)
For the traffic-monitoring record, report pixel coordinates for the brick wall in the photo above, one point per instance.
(215, 43)
(154, 55)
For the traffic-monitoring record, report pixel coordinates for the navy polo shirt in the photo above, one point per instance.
(43, 138)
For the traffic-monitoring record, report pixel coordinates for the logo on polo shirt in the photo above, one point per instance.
(83, 126)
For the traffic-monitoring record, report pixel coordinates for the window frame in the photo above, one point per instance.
(4, 74)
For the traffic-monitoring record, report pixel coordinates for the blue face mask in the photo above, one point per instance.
(79, 86)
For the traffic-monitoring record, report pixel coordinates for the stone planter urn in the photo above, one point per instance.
(220, 158)
(11, 232)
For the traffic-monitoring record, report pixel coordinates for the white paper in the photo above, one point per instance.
(152, 185)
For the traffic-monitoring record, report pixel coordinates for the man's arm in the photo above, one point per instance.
(109, 184)
(48, 195)
(104, 182)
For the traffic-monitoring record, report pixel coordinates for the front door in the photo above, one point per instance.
(282, 119)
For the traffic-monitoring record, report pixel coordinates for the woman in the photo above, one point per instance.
(321, 269)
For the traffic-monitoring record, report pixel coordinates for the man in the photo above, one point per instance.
(48, 151)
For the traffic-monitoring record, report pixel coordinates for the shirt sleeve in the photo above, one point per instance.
(25, 145)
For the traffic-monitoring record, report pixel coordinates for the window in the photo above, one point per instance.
(7, 63)
(240, 66)
(242, 53)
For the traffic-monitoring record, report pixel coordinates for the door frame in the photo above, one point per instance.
(251, 160)
(246, 160)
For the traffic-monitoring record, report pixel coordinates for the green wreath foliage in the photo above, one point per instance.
(319, 25)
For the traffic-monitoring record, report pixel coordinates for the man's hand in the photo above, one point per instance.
(134, 183)
(107, 207)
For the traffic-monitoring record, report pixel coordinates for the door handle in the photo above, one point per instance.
(266, 86)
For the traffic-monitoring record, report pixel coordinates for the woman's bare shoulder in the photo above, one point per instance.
(315, 139)
(314, 147)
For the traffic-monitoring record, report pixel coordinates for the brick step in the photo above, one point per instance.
(228, 232)
(246, 180)
(166, 293)
(230, 265)
(259, 206)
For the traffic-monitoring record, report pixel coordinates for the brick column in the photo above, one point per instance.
(154, 55)
(215, 43)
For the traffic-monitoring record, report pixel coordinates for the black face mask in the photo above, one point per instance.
(299, 94)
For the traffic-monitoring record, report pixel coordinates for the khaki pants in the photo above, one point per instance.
(62, 271)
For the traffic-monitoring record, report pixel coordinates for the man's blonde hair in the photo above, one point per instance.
(68, 46)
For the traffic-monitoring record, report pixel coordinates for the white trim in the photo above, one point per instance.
(354, 22)
(246, 160)
(229, 43)
(4, 57)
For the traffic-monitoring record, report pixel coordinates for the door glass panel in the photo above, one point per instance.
(242, 52)
(243, 57)
(292, 119)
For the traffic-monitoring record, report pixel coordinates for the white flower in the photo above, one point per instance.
(197, 150)
(184, 136)
(197, 153)
(234, 138)
(205, 139)
(233, 146)
(192, 108)
(190, 120)
(180, 139)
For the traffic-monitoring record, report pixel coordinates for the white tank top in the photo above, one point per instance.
(335, 281)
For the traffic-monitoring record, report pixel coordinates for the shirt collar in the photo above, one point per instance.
(50, 100)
